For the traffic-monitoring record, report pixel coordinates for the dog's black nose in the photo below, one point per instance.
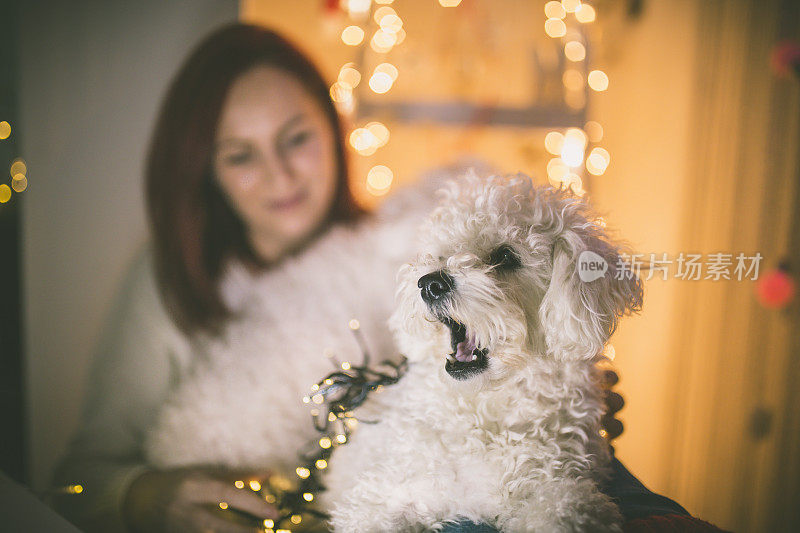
(435, 286)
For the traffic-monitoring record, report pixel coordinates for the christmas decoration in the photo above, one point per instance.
(776, 288)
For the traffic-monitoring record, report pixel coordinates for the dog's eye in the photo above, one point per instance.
(504, 258)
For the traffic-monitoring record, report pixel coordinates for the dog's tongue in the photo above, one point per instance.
(465, 348)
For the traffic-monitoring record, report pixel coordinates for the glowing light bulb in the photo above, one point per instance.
(5, 130)
(341, 438)
(553, 142)
(325, 443)
(555, 28)
(5, 193)
(295, 519)
(358, 7)
(321, 464)
(18, 166)
(341, 92)
(345, 366)
(239, 484)
(223, 505)
(302, 472)
(585, 14)
(574, 145)
(268, 523)
(388, 69)
(571, 6)
(556, 171)
(255, 485)
(349, 75)
(379, 180)
(307, 496)
(598, 80)
(575, 51)
(19, 184)
(598, 161)
(380, 131)
(318, 399)
(354, 324)
(383, 41)
(554, 10)
(383, 12)
(352, 35)
(380, 82)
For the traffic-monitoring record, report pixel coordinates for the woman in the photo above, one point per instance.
(246, 170)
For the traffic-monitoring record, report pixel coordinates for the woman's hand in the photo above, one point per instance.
(614, 403)
(188, 499)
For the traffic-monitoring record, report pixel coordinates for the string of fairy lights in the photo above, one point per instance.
(18, 170)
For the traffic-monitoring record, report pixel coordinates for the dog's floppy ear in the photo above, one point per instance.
(590, 288)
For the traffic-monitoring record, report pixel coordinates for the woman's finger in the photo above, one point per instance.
(610, 378)
(211, 522)
(614, 402)
(612, 426)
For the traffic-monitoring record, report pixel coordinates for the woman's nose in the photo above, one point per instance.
(277, 172)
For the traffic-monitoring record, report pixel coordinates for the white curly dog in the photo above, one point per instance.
(497, 419)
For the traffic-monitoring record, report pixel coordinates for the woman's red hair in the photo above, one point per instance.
(194, 229)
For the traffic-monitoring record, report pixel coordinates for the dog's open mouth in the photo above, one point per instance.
(467, 359)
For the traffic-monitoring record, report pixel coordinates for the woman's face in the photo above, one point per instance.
(275, 159)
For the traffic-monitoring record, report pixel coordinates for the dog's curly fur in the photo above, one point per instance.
(516, 445)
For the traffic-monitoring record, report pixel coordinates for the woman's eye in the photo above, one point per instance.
(298, 138)
(504, 258)
(239, 158)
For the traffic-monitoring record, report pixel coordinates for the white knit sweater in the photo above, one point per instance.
(157, 397)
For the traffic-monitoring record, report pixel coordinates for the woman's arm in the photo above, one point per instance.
(138, 357)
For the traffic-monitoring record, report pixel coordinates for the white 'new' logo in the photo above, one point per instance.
(591, 266)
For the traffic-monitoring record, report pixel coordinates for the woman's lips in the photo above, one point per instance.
(285, 204)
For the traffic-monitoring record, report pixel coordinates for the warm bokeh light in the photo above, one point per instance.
(379, 131)
(389, 69)
(556, 171)
(573, 79)
(352, 35)
(364, 141)
(383, 12)
(5, 130)
(341, 91)
(383, 41)
(575, 51)
(573, 147)
(255, 485)
(379, 180)
(574, 182)
(571, 6)
(555, 28)
(380, 82)
(554, 10)
(350, 75)
(401, 36)
(594, 131)
(610, 352)
(598, 161)
(449, 3)
(585, 14)
(384, 2)
(553, 142)
(18, 166)
(358, 7)
(20, 185)
(598, 80)
(391, 23)
(5, 193)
